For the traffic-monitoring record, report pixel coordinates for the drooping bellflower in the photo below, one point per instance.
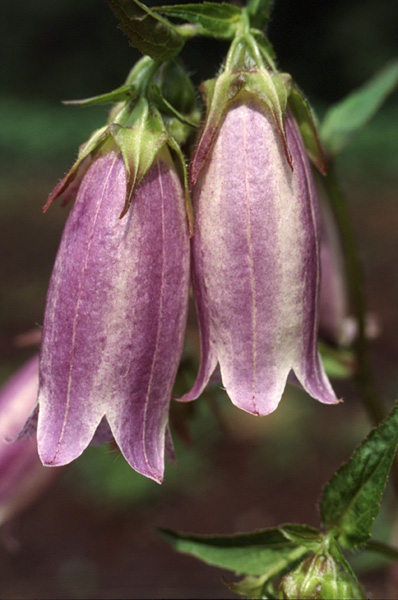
(115, 316)
(117, 301)
(256, 247)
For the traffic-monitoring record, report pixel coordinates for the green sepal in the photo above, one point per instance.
(121, 94)
(217, 94)
(346, 118)
(271, 89)
(303, 535)
(265, 47)
(176, 87)
(351, 500)
(265, 553)
(150, 33)
(335, 551)
(211, 19)
(139, 144)
(306, 121)
(156, 96)
(93, 143)
(337, 362)
(184, 172)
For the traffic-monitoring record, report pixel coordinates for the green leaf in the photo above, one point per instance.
(218, 20)
(306, 121)
(351, 500)
(148, 32)
(259, 11)
(345, 119)
(266, 553)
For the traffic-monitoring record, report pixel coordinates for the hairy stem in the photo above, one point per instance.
(364, 379)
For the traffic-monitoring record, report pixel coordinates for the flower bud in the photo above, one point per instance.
(22, 476)
(115, 315)
(256, 253)
(319, 578)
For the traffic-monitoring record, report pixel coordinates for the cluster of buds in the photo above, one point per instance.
(319, 577)
(118, 296)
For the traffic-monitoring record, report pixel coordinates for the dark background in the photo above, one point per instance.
(92, 534)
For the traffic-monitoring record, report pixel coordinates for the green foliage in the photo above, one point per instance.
(218, 20)
(268, 552)
(148, 32)
(349, 504)
(345, 119)
(351, 500)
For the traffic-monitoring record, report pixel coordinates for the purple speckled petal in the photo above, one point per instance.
(156, 316)
(115, 316)
(256, 261)
(207, 341)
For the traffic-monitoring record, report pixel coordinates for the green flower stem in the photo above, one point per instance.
(363, 375)
(380, 548)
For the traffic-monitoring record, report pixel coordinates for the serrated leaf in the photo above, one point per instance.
(267, 552)
(345, 119)
(305, 119)
(147, 31)
(351, 500)
(218, 20)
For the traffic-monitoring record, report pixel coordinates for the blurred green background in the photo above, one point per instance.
(92, 534)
